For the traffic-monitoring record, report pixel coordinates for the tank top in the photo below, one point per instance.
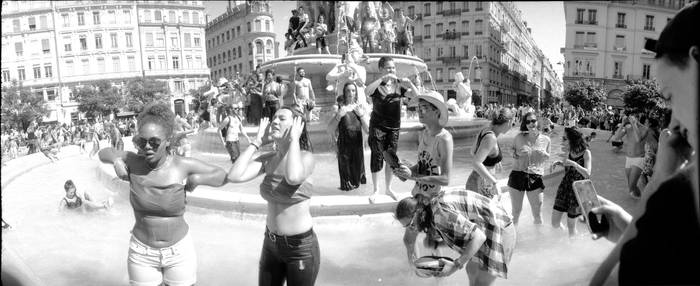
(490, 161)
(73, 204)
(149, 198)
(274, 188)
(429, 161)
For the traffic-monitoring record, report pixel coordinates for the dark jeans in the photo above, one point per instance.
(270, 109)
(383, 144)
(234, 150)
(295, 258)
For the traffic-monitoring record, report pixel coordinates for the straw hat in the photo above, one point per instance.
(438, 101)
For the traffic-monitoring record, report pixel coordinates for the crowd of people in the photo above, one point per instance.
(471, 221)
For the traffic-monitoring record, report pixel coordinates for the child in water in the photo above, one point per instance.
(75, 200)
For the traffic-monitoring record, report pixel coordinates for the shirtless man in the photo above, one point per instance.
(401, 22)
(634, 134)
(182, 146)
(304, 97)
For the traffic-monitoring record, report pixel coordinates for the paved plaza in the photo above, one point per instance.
(91, 249)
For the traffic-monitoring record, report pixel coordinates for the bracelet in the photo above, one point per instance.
(255, 145)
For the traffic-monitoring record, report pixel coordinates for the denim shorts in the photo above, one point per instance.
(175, 265)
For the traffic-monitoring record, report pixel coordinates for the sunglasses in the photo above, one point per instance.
(530, 121)
(153, 141)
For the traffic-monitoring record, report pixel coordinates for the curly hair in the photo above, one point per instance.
(158, 113)
(304, 140)
(577, 143)
(503, 116)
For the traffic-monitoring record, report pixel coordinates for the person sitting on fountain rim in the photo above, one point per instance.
(385, 121)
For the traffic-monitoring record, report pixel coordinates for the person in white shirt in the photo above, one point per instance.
(233, 128)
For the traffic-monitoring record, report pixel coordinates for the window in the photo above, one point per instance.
(465, 27)
(267, 26)
(478, 51)
(619, 42)
(85, 66)
(51, 95)
(268, 47)
(198, 62)
(15, 25)
(186, 17)
(45, 47)
(439, 52)
(238, 30)
(161, 62)
(478, 30)
(67, 44)
(66, 19)
(646, 71)
(151, 62)
(157, 16)
(591, 40)
(466, 51)
(132, 63)
(127, 16)
(112, 17)
(197, 41)
(617, 70)
(649, 23)
(176, 62)
(579, 15)
(129, 43)
(250, 48)
(96, 17)
(195, 18)
(160, 40)
(48, 72)
(69, 67)
(438, 29)
(223, 56)
(100, 65)
(426, 9)
(258, 26)
(579, 39)
(98, 41)
(83, 43)
(239, 51)
(248, 26)
(228, 36)
(187, 40)
(19, 49)
(188, 62)
(451, 74)
(149, 39)
(621, 20)
(32, 23)
(426, 31)
(258, 47)
(43, 24)
(438, 75)
(174, 43)
(116, 64)
(453, 51)
(479, 6)
(411, 11)
(34, 47)
(173, 18)
(113, 39)
(147, 16)
(179, 86)
(428, 54)
(5, 76)
(466, 5)
(592, 19)
(438, 7)
(20, 73)
(37, 71)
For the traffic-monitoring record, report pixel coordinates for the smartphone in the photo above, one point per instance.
(587, 200)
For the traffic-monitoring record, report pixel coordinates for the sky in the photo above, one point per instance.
(545, 18)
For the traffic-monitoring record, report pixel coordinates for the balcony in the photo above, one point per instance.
(584, 74)
(620, 49)
(592, 23)
(450, 36)
(465, 33)
(617, 76)
(451, 12)
(417, 38)
(621, 26)
(578, 22)
(590, 46)
(450, 60)
(648, 28)
(426, 14)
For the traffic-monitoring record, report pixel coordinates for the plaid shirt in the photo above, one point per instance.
(457, 213)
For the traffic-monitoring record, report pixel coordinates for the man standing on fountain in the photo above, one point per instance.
(385, 122)
(304, 97)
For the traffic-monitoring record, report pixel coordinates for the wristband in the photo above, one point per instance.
(255, 145)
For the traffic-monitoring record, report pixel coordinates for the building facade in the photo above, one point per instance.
(53, 46)
(240, 39)
(509, 67)
(605, 41)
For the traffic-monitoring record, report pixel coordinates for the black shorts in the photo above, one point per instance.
(321, 42)
(382, 141)
(522, 181)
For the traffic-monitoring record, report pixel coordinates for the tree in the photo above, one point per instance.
(100, 98)
(548, 100)
(141, 92)
(198, 95)
(21, 106)
(643, 96)
(585, 94)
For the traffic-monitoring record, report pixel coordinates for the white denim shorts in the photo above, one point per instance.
(175, 265)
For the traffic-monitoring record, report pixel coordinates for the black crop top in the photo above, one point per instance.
(490, 161)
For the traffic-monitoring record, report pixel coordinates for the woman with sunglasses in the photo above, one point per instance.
(161, 249)
(290, 249)
(478, 228)
(531, 151)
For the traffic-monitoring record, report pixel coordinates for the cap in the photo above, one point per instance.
(679, 34)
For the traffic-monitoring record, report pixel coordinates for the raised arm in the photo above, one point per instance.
(246, 168)
(201, 173)
(300, 164)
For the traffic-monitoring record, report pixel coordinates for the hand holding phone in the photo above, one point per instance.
(588, 199)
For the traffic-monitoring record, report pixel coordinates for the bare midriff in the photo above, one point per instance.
(158, 231)
(289, 219)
